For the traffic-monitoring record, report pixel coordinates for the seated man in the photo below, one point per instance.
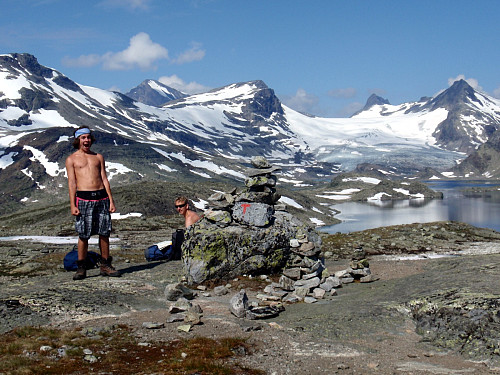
(182, 206)
(190, 217)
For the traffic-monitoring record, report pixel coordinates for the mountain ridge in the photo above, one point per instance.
(213, 135)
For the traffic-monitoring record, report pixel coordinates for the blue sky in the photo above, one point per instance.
(324, 57)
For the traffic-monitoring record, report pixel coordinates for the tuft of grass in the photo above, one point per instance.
(118, 352)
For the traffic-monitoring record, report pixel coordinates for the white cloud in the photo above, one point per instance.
(195, 53)
(496, 92)
(471, 81)
(302, 101)
(84, 61)
(179, 84)
(348, 92)
(142, 52)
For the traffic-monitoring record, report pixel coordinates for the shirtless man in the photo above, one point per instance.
(90, 201)
(182, 206)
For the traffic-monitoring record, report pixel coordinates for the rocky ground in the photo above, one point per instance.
(434, 308)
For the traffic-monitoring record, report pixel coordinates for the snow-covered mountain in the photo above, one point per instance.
(433, 132)
(214, 134)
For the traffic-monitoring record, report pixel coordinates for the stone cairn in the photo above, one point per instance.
(244, 231)
(248, 232)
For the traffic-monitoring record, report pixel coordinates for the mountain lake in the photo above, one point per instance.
(481, 209)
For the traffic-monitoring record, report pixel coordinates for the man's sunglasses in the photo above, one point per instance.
(180, 205)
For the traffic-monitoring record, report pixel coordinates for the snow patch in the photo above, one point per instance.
(51, 168)
(316, 221)
(114, 169)
(290, 202)
(7, 160)
(118, 216)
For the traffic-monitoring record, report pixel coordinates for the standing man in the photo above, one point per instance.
(182, 206)
(90, 201)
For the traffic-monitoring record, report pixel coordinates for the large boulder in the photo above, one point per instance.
(214, 251)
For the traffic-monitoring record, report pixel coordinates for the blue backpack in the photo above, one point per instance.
(69, 261)
(160, 251)
(166, 250)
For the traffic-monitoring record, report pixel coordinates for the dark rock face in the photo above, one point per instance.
(467, 323)
(375, 100)
(484, 161)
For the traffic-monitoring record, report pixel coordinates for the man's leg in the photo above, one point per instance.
(83, 247)
(104, 246)
(106, 268)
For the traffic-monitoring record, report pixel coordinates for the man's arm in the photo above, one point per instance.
(70, 170)
(106, 184)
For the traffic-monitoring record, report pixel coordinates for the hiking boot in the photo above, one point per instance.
(81, 271)
(107, 269)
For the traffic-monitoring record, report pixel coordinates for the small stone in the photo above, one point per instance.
(152, 325)
(196, 308)
(368, 279)
(286, 283)
(275, 325)
(220, 290)
(239, 304)
(347, 280)
(259, 162)
(184, 328)
(177, 290)
(175, 318)
(291, 299)
(293, 273)
(193, 318)
(90, 358)
(301, 292)
(318, 293)
(310, 283)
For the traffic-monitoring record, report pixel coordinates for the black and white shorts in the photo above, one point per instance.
(94, 217)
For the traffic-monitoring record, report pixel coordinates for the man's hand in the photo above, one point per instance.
(112, 207)
(75, 211)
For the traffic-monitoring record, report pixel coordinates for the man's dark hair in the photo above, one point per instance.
(76, 141)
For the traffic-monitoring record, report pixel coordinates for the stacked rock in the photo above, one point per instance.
(253, 205)
(244, 231)
(308, 280)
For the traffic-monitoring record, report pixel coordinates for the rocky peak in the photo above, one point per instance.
(371, 101)
(460, 92)
(154, 93)
(265, 102)
(27, 63)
